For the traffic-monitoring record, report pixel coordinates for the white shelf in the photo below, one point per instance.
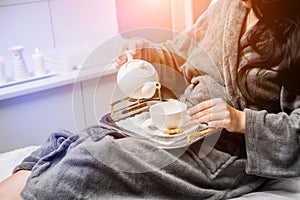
(15, 2)
(54, 81)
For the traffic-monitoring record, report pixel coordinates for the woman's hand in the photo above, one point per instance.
(134, 47)
(217, 113)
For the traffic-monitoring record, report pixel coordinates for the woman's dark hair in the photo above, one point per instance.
(276, 37)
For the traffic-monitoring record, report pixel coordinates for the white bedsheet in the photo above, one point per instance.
(288, 189)
(9, 160)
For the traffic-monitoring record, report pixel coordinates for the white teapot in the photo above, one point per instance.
(137, 79)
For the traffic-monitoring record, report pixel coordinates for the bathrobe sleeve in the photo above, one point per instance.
(173, 53)
(184, 52)
(272, 140)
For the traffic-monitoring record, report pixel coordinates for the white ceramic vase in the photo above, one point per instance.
(19, 67)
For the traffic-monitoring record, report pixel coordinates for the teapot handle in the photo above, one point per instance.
(129, 55)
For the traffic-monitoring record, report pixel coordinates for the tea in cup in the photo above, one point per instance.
(169, 115)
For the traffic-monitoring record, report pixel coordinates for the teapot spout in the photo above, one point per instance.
(149, 88)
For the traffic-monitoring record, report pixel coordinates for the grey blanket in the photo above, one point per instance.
(94, 165)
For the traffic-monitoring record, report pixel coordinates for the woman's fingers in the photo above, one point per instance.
(217, 113)
(123, 58)
(219, 123)
(211, 114)
(132, 49)
(204, 106)
(198, 108)
(120, 62)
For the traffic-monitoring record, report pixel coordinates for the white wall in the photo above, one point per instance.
(53, 23)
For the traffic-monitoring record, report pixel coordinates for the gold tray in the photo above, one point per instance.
(135, 107)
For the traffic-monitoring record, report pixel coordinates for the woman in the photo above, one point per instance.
(253, 93)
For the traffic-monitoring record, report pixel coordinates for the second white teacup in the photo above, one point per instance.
(169, 115)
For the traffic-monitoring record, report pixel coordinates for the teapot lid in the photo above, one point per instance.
(141, 68)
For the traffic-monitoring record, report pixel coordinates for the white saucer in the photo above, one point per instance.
(188, 127)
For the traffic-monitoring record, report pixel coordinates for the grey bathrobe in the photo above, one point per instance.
(95, 165)
(209, 56)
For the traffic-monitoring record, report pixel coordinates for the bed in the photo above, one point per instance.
(287, 189)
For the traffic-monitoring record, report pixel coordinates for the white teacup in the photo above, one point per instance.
(169, 115)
